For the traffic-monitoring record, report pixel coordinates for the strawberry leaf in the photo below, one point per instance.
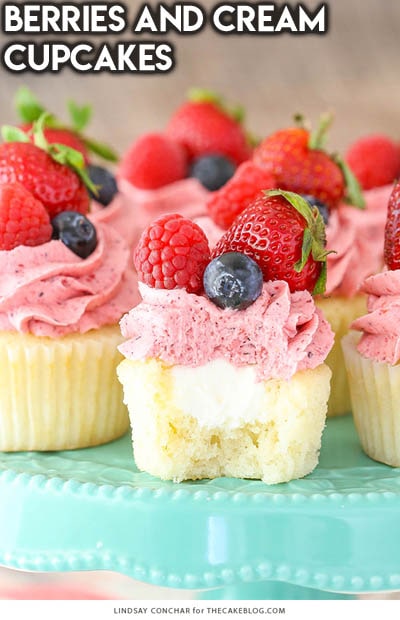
(354, 195)
(80, 115)
(203, 95)
(298, 202)
(13, 134)
(68, 156)
(99, 148)
(28, 106)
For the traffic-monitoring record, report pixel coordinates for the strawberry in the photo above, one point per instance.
(286, 238)
(23, 219)
(172, 252)
(296, 159)
(152, 161)
(60, 136)
(42, 171)
(245, 185)
(204, 127)
(374, 160)
(391, 250)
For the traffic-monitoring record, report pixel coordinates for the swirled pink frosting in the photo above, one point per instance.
(381, 326)
(120, 214)
(356, 236)
(47, 290)
(281, 332)
(186, 197)
(212, 231)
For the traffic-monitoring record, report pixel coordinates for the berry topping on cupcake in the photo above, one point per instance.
(23, 219)
(54, 173)
(246, 184)
(233, 280)
(297, 159)
(292, 159)
(285, 236)
(76, 232)
(204, 126)
(213, 171)
(69, 134)
(172, 252)
(374, 160)
(152, 161)
(392, 230)
(105, 183)
(322, 208)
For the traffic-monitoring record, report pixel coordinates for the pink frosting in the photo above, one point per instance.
(187, 197)
(381, 326)
(47, 290)
(212, 231)
(120, 214)
(356, 236)
(280, 333)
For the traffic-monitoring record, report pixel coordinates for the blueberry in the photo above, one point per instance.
(322, 208)
(76, 232)
(213, 171)
(233, 280)
(106, 184)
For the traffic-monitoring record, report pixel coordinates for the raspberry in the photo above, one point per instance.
(374, 160)
(246, 184)
(153, 161)
(23, 219)
(172, 253)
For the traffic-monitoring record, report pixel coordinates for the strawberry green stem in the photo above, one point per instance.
(203, 95)
(354, 195)
(318, 137)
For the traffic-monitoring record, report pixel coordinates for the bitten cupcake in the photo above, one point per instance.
(64, 284)
(229, 380)
(372, 359)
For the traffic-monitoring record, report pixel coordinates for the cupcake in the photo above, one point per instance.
(372, 356)
(64, 285)
(356, 236)
(295, 159)
(229, 379)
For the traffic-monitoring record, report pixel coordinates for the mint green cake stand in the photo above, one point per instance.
(330, 535)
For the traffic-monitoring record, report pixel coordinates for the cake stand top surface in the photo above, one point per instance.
(337, 529)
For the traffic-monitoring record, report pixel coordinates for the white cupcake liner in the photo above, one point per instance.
(63, 393)
(375, 398)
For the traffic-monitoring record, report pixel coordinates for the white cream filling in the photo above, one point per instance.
(220, 394)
